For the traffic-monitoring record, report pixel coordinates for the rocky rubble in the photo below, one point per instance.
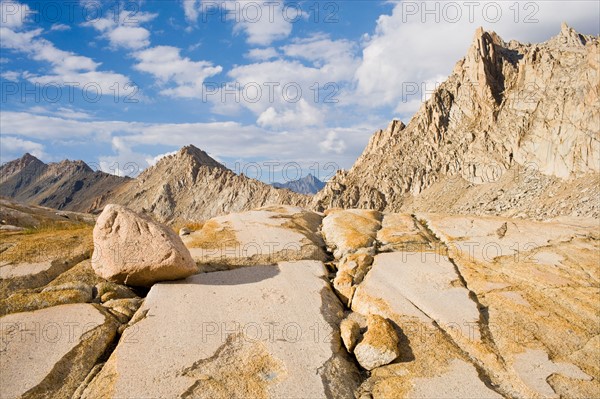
(481, 307)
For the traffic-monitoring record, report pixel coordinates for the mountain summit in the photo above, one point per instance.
(190, 185)
(306, 185)
(514, 125)
(70, 185)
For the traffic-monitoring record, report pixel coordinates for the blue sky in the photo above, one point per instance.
(263, 86)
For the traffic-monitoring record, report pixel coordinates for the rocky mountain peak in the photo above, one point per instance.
(195, 154)
(27, 161)
(71, 166)
(568, 37)
(506, 106)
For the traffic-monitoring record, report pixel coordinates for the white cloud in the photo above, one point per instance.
(302, 114)
(125, 32)
(191, 9)
(67, 68)
(225, 139)
(293, 88)
(14, 147)
(13, 14)
(11, 76)
(168, 67)
(262, 54)
(60, 27)
(261, 22)
(60, 112)
(332, 144)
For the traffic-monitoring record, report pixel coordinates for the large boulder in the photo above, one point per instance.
(269, 332)
(133, 249)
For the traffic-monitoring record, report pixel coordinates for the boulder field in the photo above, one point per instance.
(283, 302)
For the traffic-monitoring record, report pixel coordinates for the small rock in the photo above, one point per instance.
(123, 309)
(343, 286)
(10, 227)
(184, 231)
(501, 232)
(350, 332)
(107, 291)
(379, 345)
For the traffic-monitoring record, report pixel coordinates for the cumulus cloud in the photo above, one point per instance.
(262, 54)
(14, 147)
(14, 14)
(303, 114)
(261, 22)
(298, 88)
(183, 76)
(332, 144)
(67, 68)
(124, 31)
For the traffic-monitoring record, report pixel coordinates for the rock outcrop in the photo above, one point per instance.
(482, 306)
(379, 344)
(261, 237)
(278, 338)
(511, 119)
(47, 353)
(135, 250)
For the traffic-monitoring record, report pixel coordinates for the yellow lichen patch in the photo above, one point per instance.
(213, 235)
(400, 231)
(241, 368)
(357, 228)
(25, 301)
(47, 244)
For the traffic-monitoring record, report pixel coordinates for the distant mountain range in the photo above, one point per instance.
(68, 185)
(306, 185)
(188, 185)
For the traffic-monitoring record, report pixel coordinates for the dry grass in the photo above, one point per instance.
(56, 227)
(51, 242)
(214, 235)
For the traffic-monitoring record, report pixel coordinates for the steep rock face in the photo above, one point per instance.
(190, 185)
(505, 105)
(66, 185)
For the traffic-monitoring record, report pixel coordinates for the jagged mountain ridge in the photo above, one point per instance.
(305, 185)
(507, 109)
(65, 185)
(190, 185)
